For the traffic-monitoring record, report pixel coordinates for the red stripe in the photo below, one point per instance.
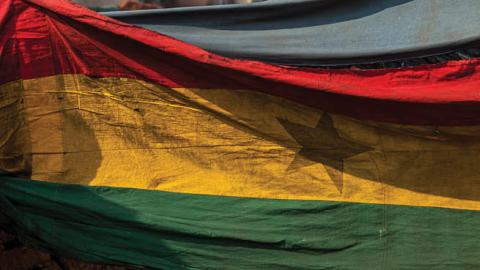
(46, 37)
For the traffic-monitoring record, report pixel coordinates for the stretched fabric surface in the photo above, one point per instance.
(120, 145)
(320, 32)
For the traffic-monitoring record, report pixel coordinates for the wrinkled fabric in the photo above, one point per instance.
(76, 129)
(120, 145)
(320, 32)
(69, 39)
(163, 230)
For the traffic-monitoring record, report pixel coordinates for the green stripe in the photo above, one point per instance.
(180, 231)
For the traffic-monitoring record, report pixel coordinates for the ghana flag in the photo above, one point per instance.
(120, 145)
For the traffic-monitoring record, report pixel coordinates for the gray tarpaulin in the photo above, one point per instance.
(319, 32)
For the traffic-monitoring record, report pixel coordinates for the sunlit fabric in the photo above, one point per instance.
(120, 145)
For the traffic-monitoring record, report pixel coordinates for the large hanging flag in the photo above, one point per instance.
(121, 145)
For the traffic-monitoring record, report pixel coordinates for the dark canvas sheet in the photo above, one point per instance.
(318, 32)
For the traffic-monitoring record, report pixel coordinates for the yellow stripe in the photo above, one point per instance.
(128, 133)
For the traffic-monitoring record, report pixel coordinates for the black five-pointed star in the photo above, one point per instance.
(322, 144)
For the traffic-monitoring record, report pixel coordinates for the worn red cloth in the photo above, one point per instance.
(81, 41)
